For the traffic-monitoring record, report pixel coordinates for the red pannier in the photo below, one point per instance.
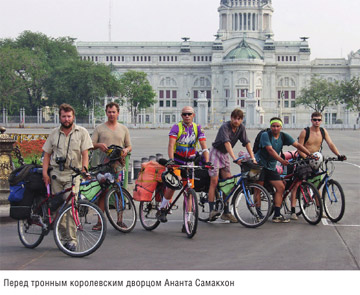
(149, 177)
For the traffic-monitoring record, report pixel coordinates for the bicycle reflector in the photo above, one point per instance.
(171, 180)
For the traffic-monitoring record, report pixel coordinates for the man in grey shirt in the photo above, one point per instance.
(228, 135)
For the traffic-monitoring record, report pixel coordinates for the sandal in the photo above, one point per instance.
(121, 224)
(97, 227)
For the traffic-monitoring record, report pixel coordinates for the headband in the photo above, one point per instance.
(276, 121)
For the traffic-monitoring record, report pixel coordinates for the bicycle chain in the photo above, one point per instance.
(19, 156)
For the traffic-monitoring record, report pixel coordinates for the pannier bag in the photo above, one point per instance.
(202, 180)
(227, 185)
(149, 177)
(26, 184)
(89, 191)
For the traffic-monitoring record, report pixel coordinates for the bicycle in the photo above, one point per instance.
(333, 197)
(248, 211)
(81, 214)
(307, 195)
(148, 210)
(119, 205)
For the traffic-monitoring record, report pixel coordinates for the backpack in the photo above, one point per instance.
(256, 146)
(307, 135)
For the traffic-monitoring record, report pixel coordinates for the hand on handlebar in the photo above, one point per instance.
(342, 158)
(170, 162)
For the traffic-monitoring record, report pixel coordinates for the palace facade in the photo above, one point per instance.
(243, 67)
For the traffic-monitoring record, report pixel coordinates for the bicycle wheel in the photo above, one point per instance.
(333, 198)
(190, 208)
(121, 212)
(203, 205)
(248, 211)
(147, 213)
(310, 202)
(33, 229)
(85, 240)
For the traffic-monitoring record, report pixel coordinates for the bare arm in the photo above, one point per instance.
(203, 147)
(46, 164)
(84, 160)
(330, 143)
(250, 151)
(275, 155)
(301, 141)
(300, 147)
(171, 146)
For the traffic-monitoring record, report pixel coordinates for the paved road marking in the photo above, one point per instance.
(357, 166)
(325, 222)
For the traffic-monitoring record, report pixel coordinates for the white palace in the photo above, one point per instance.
(243, 67)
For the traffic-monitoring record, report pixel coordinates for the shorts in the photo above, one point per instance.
(269, 175)
(219, 161)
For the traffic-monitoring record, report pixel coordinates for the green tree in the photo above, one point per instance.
(137, 91)
(36, 70)
(319, 95)
(22, 76)
(349, 94)
(82, 84)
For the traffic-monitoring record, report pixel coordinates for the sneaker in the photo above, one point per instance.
(293, 216)
(71, 246)
(213, 214)
(229, 216)
(161, 215)
(280, 219)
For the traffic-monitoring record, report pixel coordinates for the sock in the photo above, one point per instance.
(292, 210)
(211, 206)
(277, 212)
(164, 203)
(226, 208)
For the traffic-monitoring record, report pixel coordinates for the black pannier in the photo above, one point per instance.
(34, 188)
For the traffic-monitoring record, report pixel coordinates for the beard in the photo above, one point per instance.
(68, 126)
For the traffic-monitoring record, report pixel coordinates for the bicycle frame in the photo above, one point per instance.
(236, 186)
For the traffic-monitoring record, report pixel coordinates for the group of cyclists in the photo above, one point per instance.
(69, 145)
(184, 136)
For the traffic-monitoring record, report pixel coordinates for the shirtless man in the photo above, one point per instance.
(312, 138)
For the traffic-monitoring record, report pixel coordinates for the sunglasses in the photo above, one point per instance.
(316, 120)
(186, 114)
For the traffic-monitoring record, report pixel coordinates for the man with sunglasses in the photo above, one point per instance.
(312, 137)
(183, 138)
(271, 144)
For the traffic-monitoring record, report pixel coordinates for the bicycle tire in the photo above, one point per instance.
(310, 202)
(121, 213)
(204, 207)
(245, 209)
(30, 230)
(88, 240)
(147, 213)
(190, 210)
(331, 202)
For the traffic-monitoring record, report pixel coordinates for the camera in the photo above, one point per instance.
(61, 162)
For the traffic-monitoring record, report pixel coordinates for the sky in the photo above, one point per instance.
(332, 25)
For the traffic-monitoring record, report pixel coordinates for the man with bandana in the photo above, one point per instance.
(271, 144)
